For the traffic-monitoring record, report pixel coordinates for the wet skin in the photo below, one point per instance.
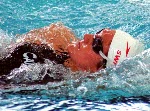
(61, 38)
(82, 53)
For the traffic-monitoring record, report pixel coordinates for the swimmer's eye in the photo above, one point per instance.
(97, 45)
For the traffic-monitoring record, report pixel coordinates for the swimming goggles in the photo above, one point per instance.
(98, 47)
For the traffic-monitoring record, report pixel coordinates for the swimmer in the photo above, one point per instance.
(58, 43)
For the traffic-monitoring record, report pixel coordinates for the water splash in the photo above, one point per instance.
(130, 78)
(140, 2)
(5, 40)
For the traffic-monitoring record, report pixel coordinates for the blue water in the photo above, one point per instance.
(126, 87)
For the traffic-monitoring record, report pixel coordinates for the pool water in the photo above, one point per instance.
(126, 87)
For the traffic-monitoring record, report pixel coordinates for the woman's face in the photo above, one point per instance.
(83, 55)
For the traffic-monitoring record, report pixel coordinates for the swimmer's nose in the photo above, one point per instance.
(88, 38)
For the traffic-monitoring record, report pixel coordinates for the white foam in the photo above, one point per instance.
(5, 41)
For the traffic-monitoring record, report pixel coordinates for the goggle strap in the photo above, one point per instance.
(103, 55)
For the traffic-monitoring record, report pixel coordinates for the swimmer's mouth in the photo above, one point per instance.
(78, 44)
